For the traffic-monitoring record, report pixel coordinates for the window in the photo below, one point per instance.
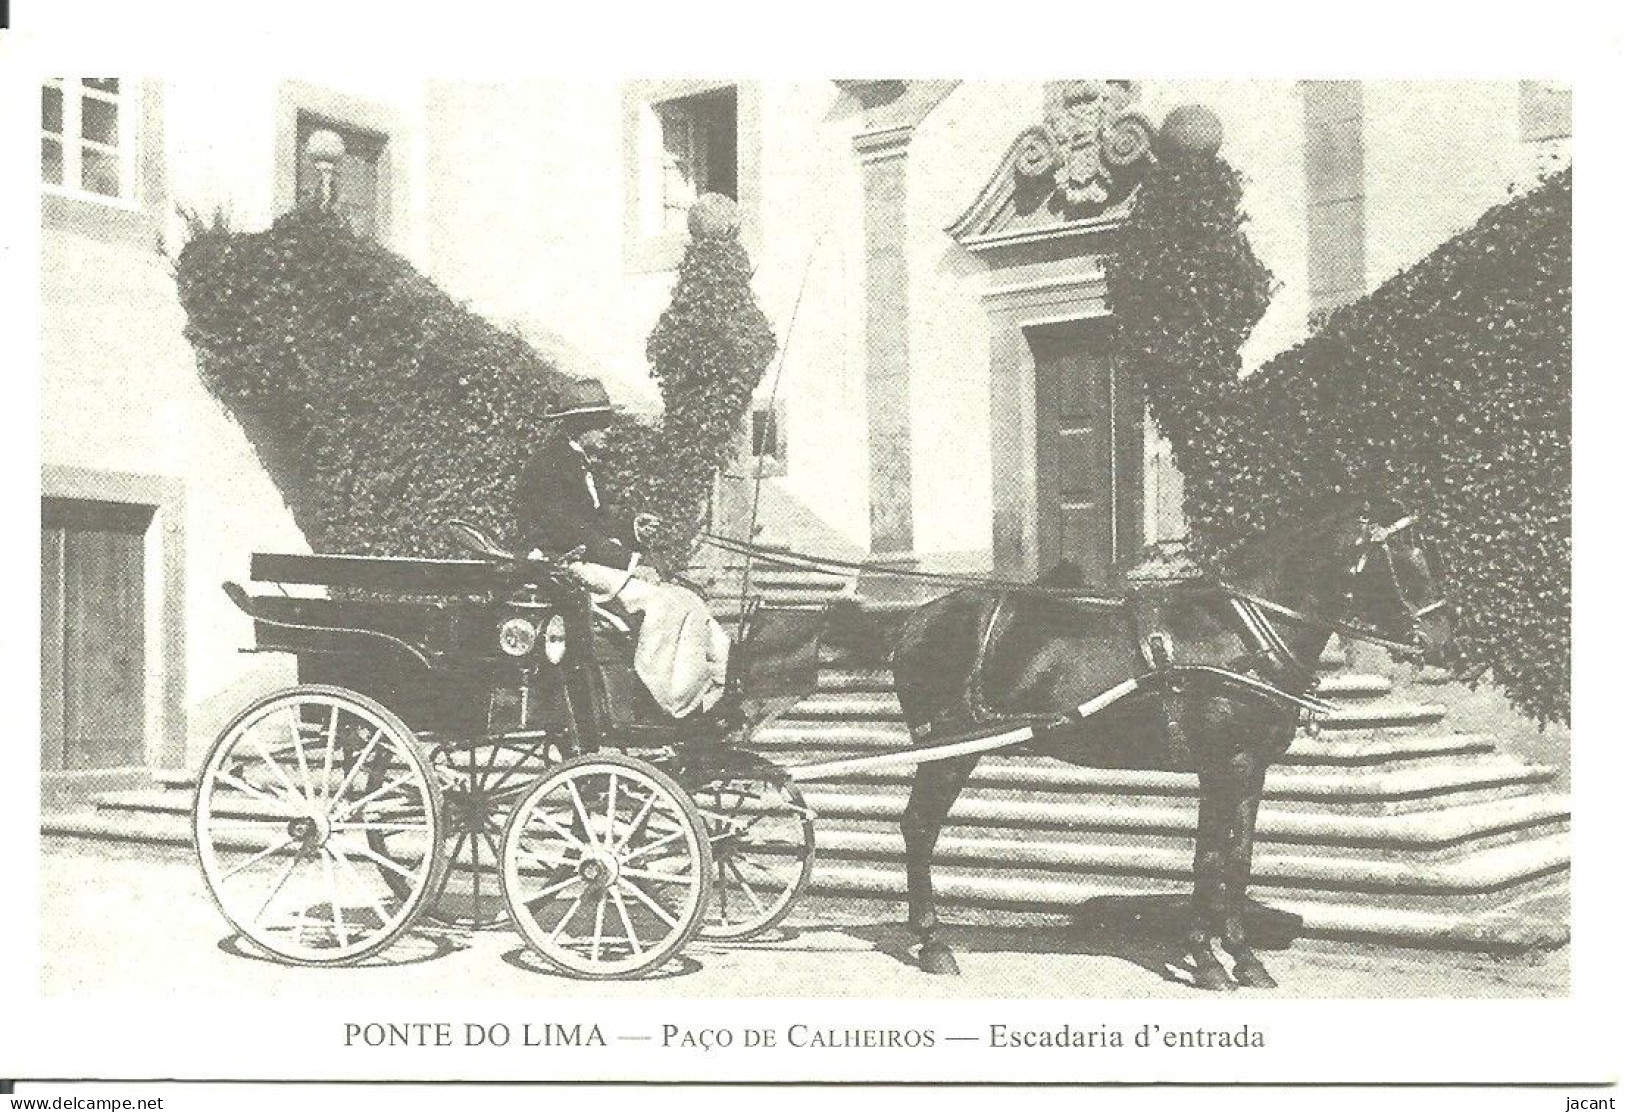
(681, 139)
(1334, 175)
(699, 153)
(359, 188)
(768, 445)
(87, 138)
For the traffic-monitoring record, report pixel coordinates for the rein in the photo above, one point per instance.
(1261, 605)
(1343, 629)
(800, 561)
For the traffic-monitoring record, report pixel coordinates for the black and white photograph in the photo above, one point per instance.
(903, 545)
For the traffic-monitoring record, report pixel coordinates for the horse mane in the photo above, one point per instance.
(1281, 535)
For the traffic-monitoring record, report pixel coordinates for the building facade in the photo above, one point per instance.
(946, 392)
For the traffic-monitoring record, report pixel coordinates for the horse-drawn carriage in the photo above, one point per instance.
(468, 743)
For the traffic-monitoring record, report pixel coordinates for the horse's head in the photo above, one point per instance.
(1393, 584)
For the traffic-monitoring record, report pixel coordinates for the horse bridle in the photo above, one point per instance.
(1373, 538)
(1378, 536)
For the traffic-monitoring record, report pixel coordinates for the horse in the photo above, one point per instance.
(1267, 609)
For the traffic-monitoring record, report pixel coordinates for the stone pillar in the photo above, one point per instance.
(883, 153)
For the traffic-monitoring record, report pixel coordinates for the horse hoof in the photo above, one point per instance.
(937, 959)
(1211, 977)
(1251, 973)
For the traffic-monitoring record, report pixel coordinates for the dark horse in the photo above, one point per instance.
(1268, 612)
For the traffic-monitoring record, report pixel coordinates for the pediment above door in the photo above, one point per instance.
(1072, 174)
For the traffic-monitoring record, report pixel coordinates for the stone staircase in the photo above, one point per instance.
(1388, 825)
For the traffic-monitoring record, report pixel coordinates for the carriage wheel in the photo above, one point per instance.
(480, 783)
(761, 834)
(606, 867)
(295, 799)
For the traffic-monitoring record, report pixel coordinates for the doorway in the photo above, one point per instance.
(93, 634)
(1089, 441)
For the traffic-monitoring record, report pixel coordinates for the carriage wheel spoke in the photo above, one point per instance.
(581, 813)
(551, 889)
(272, 797)
(337, 797)
(474, 845)
(658, 877)
(648, 901)
(282, 879)
(637, 822)
(575, 906)
(333, 901)
(648, 847)
(357, 879)
(375, 794)
(293, 792)
(626, 920)
(256, 859)
(553, 825)
(327, 756)
(541, 862)
(457, 847)
(598, 926)
(750, 893)
(507, 774)
(304, 765)
(379, 859)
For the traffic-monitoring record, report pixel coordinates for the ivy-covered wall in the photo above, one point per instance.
(1447, 389)
(379, 405)
(382, 408)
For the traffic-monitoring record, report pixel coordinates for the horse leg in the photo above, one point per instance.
(1238, 867)
(936, 786)
(1207, 896)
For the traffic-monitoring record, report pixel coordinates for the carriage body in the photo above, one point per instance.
(452, 716)
(425, 639)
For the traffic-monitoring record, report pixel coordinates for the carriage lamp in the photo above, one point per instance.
(553, 642)
(517, 636)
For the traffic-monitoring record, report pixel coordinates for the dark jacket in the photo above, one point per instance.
(557, 509)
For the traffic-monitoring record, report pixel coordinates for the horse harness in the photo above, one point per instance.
(1266, 665)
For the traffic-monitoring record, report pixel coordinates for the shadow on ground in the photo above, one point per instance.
(528, 961)
(1148, 931)
(413, 948)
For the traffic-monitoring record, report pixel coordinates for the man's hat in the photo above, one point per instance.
(581, 397)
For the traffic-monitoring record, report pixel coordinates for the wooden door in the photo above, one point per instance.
(1090, 451)
(92, 635)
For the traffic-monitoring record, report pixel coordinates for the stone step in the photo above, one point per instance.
(882, 706)
(1381, 790)
(1410, 833)
(1522, 925)
(1483, 873)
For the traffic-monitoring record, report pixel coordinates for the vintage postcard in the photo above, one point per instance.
(802, 577)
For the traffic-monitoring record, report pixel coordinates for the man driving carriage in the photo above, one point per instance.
(682, 652)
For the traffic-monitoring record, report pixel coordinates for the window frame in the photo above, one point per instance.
(648, 248)
(72, 141)
(395, 228)
(139, 221)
